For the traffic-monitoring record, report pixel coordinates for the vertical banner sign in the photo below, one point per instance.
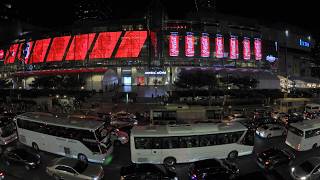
(234, 49)
(1, 54)
(189, 44)
(205, 46)
(174, 44)
(246, 49)
(257, 49)
(219, 46)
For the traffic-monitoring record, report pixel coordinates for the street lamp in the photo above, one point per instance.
(309, 38)
(285, 62)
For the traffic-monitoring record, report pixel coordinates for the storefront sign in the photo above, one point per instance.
(155, 72)
(304, 43)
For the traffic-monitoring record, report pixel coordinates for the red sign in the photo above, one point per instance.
(257, 49)
(189, 44)
(131, 44)
(174, 44)
(246, 49)
(1, 54)
(205, 46)
(234, 49)
(219, 47)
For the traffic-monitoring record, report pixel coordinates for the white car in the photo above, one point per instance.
(306, 170)
(67, 168)
(270, 130)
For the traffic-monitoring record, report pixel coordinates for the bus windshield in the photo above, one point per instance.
(295, 131)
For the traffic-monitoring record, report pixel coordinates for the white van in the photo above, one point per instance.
(312, 108)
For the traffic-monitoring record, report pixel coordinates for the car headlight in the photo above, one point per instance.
(303, 178)
(292, 169)
(31, 163)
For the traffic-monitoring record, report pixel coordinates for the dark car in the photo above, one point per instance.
(272, 158)
(294, 118)
(20, 156)
(146, 171)
(213, 169)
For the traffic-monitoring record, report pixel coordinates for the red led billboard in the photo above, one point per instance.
(246, 49)
(205, 45)
(39, 51)
(58, 48)
(1, 54)
(219, 46)
(234, 47)
(174, 44)
(131, 44)
(104, 45)
(189, 44)
(79, 47)
(11, 54)
(24, 51)
(257, 49)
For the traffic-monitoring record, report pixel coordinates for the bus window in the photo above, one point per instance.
(312, 133)
(170, 143)
(188, 141)
(142, 143)
(156, 143)
(295, 131)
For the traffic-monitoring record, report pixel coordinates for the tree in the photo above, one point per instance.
(195, 79)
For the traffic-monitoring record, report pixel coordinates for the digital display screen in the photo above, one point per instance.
(234, 47)
(219, 46)
(39, 51)
(131, 44)
(79, 47)
(105, 45)
(257, 49)
(205, 45)
(11, 54)
(58, 48)
(174, 44)
(24, 51)
(189, 44)
(246, 49)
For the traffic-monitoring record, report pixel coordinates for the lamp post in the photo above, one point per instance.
(286, 65)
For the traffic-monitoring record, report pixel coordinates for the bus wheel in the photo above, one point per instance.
(83, 158)
(169, 161)
(233, 155)
(315, 146)
(35, 146)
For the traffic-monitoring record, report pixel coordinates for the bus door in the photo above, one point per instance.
(156, 149)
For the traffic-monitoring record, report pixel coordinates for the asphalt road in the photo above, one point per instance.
(121, 157)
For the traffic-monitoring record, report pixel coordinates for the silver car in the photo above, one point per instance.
(307, 170)
(73, 169)
(270, 130)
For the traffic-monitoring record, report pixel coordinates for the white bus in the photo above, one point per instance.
(304, 135)
(170, 144)
(312, 108)
(86, 140)
(7, 130)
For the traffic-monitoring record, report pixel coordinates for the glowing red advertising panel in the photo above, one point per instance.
(219, 46)
(1, 54)
(39, 51)
(131, 44)
(246, 49)
(189, 44)
(104, 45)
(154, 41)
(11, 54)
(257, 49)
(204, 45)
(24, 51)
(58, 48)
(174, 44)
(234, 48)
(79, 47)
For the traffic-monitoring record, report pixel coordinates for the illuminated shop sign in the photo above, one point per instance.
(174, 44)
(304, 43)
(155, 72)
(271, 58)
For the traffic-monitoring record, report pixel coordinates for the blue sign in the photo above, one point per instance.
(271, 58)
(304, 43)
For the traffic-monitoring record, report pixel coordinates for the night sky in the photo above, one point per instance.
(60, 12)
